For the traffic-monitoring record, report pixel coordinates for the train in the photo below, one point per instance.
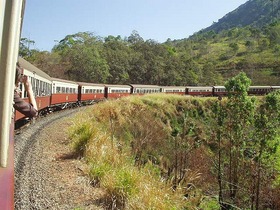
(54, 93)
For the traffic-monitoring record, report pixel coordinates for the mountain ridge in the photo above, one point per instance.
(256, 13)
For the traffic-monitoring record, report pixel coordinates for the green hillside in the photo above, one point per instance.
(174, 152)
(247, 39)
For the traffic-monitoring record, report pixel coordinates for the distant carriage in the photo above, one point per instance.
(259, 90)
(181, 90)
(137, 89)
(64, 93)
(219, 91)
(199, 91)
(90, 92)
(116, 91)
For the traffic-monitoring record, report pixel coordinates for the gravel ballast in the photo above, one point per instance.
(47, 176)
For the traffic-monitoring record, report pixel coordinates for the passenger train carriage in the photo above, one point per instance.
(259, 90)
(90, 92)
(219, 91)
(199, 91)
(144, 89)
(41, 85)
(181, 90)
(116, 91)
(64, 93)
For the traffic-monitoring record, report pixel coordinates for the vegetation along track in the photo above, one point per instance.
(45, 176)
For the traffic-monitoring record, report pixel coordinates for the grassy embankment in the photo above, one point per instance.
(147, 152)
(166, 151)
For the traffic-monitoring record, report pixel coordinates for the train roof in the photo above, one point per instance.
(260, 86)
(219, 86)
(144, 86)
(113, 85)
(30, 67)
(64, 80)
(199, 87)
(172, 87)
(90, 84)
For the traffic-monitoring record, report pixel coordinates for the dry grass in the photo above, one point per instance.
(123, 142)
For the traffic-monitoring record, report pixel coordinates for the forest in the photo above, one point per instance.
(204, 59)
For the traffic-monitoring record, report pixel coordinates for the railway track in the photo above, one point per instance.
(41, 180)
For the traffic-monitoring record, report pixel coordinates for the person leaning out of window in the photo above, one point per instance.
(28, 109)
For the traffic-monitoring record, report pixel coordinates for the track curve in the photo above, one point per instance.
(39, 181)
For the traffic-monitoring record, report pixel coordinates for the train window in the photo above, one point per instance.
(37, 86)
(63, 89)
(41, 87)
(58, 89)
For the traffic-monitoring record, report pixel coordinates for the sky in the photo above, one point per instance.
(48, 21)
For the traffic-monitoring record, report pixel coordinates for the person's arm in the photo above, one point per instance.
(28, 109)
(30, 94)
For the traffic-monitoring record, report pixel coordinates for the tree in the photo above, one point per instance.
(135, 38)
(118, 57)
(81, 56)
(240, 111)
(265, 141)
(24, 47)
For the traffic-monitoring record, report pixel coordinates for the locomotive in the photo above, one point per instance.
(54, 93)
